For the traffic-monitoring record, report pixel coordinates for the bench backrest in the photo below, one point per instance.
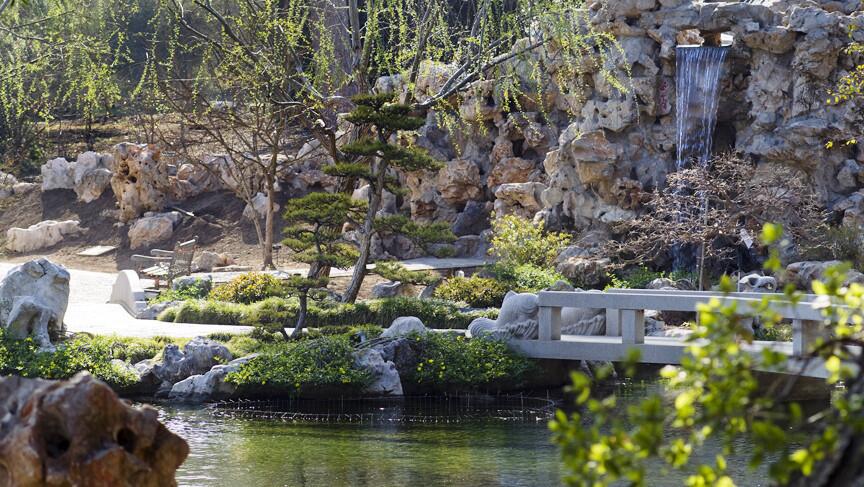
(181, 258)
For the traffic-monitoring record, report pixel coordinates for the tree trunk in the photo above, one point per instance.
(268, 226)
(301, 315)
(375, 194)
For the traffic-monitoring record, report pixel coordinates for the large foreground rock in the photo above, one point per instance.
(78, 432)
(41, 235)
(33, 301)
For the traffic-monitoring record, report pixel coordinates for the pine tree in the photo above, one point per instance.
(377, 155)
(314, 234)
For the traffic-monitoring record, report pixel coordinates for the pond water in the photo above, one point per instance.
(233, 451)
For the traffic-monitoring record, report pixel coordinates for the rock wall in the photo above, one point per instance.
(584, 162)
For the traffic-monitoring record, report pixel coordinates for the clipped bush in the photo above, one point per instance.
(475, 291)
(452, 363)
(197, 289)
(320, 367)
(527, 278)
(273, 312)
(248, 288)
(517, 241)
(206, 312)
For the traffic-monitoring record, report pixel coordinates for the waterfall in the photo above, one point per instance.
(697, 83)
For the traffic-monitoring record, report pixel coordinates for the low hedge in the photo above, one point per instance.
(273, 312)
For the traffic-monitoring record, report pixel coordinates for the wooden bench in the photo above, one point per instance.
(167, 264)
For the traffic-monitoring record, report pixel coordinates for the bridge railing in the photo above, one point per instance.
(625, 311)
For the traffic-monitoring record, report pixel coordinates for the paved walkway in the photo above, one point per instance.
(90, 312)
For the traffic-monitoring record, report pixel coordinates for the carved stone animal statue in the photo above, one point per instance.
(33, 301)
(518, 319)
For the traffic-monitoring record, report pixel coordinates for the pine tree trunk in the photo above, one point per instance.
(375, 195)
(268, 226)
(301, 315)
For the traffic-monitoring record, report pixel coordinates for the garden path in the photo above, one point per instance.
(90, 312)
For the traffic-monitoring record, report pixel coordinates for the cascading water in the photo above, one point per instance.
(697, 83)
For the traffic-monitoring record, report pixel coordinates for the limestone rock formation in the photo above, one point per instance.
(197, 358)
(33, 301)
(206, 261)
(210, 385)
(41, 235)
(140, 180)
(388, 289)
(89, 175)
(593, 154)
(757, 283)
(78, 432)
(385, 376)
(152, 229)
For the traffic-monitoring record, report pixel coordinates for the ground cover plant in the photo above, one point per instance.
(81, 352)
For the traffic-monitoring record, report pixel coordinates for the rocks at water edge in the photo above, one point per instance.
(78, 432)
(385, 376)
(33, 301)
(197, 358)
(210, 385)
(41, 235)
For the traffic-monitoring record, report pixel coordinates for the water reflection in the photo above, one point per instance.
(231, 451)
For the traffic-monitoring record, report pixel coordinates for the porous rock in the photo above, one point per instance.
(33, 301)
(41, 235)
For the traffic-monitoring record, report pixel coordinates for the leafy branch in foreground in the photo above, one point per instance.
(717, 397)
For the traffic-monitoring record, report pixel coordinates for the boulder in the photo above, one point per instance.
(510, 170)
(757, 283)
(58, 174)
(802, 274)
(33, 301)
(389, 289)
(206, 261)
(258, 207)
(405, 325)
(210, 385)
(152, 229)
(49, 435)
(91, 174)
(41, 235)
(197, 358)
(385, 376)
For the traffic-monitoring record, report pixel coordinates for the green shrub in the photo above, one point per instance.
(272, 313)
(207, 312)
(248, 288)
(197, 290)
(452, 363)
(475, 291)
(528, 278)
(93, 354)
(517, 241)
(323, 366)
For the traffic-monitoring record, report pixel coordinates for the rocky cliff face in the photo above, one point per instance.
(583, 162)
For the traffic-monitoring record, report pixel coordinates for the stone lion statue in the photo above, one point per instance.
(33, 301)
(518, 319)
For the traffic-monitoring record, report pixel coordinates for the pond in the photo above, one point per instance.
(234, 451)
